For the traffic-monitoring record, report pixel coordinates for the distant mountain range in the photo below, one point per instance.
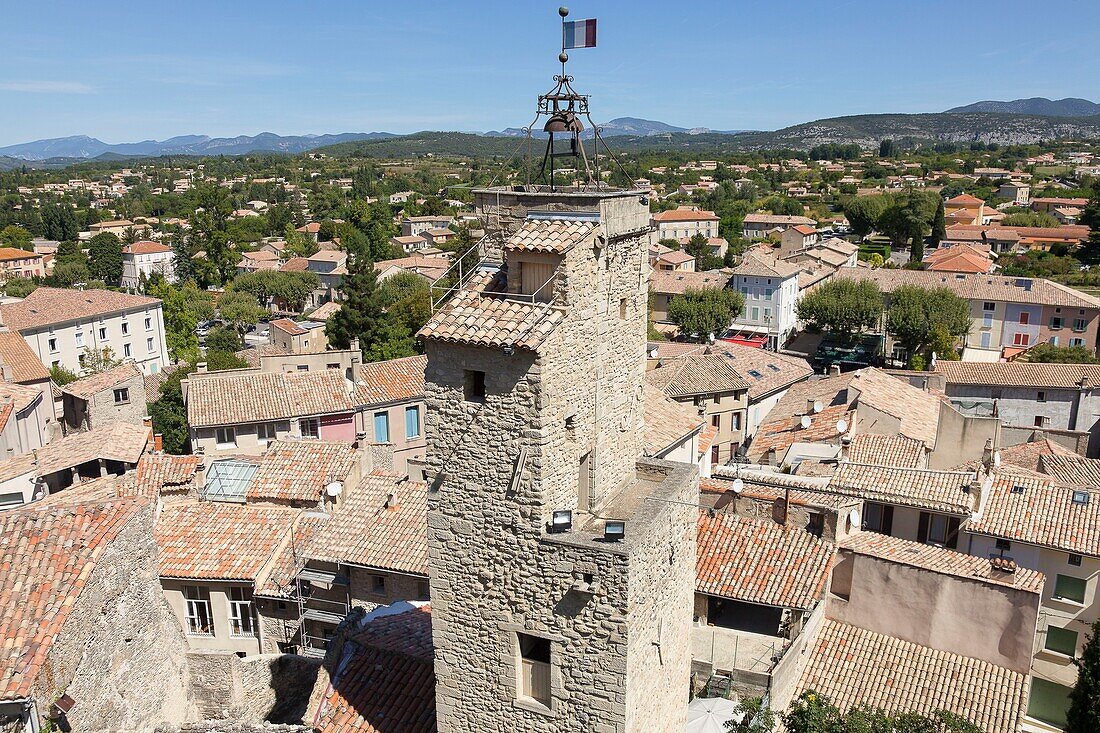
(82, 146)
(1068, 107)
(624, 126)
(1005, 123)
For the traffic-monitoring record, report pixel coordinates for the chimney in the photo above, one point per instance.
(834, 370)
(1002, 565)
(924, 383)
(987, 455)
(158, 442)
(201, 367)
(147, 421)
(810, 406)
(1084, 383)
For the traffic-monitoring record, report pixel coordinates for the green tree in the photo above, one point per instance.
(1051, 354)
(814, 713)
(755, 717)
(1090, 217)
(264, 285)
(699, 248)
(183, 309)
(1083, 715)
(62, 376)
(16, 236)
(916, 249)
(223, 339)
(98, 360)
(218, 360)
(19, 287)
(939, 225)
(299, 244)
(59, 222)
(916, 315)
(842, 306)
(105, 258)
(863, 212)
(704, 312)
(363, 315)
(1030, 219)
(209, 226)
(169, 413)
(239, 310)
(887, 149)
(67, 274)
(407, 300)
(908, 215)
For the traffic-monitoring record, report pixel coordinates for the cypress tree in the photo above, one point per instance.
(1083, 715)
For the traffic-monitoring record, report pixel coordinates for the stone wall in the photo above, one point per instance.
(121, 653)
(100, 409)
(260, 688)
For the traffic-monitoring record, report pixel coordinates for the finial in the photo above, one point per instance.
(563, 11)
(563, 57)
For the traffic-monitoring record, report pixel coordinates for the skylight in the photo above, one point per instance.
(756, 374)
(1081, 498)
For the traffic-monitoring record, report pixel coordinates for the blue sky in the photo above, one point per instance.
(128, 71)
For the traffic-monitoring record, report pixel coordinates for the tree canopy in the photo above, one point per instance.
(917, 316)
(1051, 354)
(1083, 715)
(16, 236)
(842, 306)
(706, 311)
(105, 258)
(814, 713)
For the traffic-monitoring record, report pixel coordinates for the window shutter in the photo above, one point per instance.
(887, 519)
(922, 527)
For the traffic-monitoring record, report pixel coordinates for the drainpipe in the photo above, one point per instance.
(1082, 387)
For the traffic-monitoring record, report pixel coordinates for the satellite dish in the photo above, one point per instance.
(853, 517)
(738, 486)
(997, 458)
(841, 427)
(818, 407)
(334, 489)
(806, 422)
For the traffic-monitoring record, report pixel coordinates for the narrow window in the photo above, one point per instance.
(125, 328)
(1041, 396)
(584, 482)
(816, 524)
(126, 350)
(1061, 641)
(622, 308)
(381, 427)
(310, 427)
(378, 585)
(149, 344)
(122, 395)
(475, 386)
(241, 620)
(226, 437)
(534, 668)
(265, 431)
(412, 422)
(199, 620)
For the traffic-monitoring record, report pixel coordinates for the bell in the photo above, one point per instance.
(563, 121)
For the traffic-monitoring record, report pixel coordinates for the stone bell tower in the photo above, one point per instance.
(562, 566)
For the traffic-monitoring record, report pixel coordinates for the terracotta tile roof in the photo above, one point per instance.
(782, 419)
(216, 541)
(299, 470)
(388, 683)
(962, 262)
(295, 264)
(145, 248)
(480, 319)
(1069, 468)
(939, 560)
(262, 396)
(978, 287)
(672, 349)
(394, 380)
(324, 312)
(1023, 456)
(160, 473)
(18, 397)
(287, 325)
(45, 306)
(675, 257)
(760, 561)
(47, 553)
(1040, 512)
(95, 383)
(15, 353)
(1019, 374)
(887, 450)
(776, 370)
(769, 486)
(918, 410)
(117, 441)
(278, 580)
(364, 531)
(942, 491)
(853, 666)
(754, 264)
(154, 382)
(697, 374)
(12, 253)
(677, 282)
(778, 220)
(667, 422)
(684, 215)
(706, 438)
(781, 433)
(964, 198)
(538, 235)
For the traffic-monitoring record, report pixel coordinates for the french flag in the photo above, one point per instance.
(580, 33)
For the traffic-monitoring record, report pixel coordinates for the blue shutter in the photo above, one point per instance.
(412, 422)
(381, 427)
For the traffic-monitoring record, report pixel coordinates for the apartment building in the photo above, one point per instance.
(684, 222)
(389, 399)
(20, 263)
(141, 260)
(758, 226)
(60, 324)
(770, 289)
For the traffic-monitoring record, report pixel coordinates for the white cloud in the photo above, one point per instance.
(46, 87)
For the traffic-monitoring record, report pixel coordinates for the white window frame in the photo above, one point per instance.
(265, 432)
(194, 614)
(242, 619)
(314, 433)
